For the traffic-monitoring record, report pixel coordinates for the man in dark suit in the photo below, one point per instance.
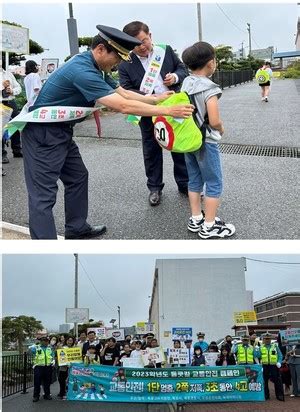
(171, 75)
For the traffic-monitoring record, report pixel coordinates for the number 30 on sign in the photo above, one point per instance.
(163, 133)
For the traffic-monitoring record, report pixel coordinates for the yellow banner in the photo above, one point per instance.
(245, 318)
(65, 356)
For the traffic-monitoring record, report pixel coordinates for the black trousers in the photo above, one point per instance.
(51, 154)
(42, 376)
(153, 160)
(62, 379)
(15, 139)
(272, 372)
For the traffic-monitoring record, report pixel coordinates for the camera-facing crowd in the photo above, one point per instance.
(280, 364)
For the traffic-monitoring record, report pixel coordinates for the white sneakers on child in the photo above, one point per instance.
(219, 230)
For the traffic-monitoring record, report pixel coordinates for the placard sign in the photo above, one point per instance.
(77, 315)
(15, 39)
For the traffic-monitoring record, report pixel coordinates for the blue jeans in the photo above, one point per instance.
(204, 167)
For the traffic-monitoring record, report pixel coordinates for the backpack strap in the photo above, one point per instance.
(205, 125)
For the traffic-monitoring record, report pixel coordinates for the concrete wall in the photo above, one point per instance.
(198, 293)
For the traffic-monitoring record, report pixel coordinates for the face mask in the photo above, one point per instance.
(52, 342)
(92, 356)
(201, 340)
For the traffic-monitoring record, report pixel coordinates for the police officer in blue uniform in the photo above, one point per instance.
(48, 148)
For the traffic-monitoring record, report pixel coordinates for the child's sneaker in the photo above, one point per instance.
(219, 230)
(195, 225)
(266, 99)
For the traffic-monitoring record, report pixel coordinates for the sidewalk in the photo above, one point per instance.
(261, 193)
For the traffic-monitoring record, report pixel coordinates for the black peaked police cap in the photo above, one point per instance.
(121, 42)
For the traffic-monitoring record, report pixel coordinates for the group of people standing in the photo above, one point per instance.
(249, 350)
(84, 82)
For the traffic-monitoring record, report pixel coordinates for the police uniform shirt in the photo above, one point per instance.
(79, 82)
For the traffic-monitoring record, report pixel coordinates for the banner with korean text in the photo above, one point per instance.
(214, 384)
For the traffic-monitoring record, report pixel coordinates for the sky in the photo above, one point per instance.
(174, 24)
(43, 285)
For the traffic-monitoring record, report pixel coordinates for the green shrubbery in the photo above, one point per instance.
(293, 71)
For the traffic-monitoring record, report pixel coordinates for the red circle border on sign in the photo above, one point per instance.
(169, 130)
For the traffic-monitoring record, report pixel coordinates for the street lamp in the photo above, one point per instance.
(112, 321)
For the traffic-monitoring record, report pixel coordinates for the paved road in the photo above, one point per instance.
(23, 403)
(261, 194)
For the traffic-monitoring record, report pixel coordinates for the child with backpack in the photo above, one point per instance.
(204, 165)
(264, 76)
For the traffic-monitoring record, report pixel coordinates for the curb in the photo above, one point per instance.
(20, 229)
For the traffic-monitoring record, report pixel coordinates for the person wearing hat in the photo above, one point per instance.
(43, 362)
(32, 81)
(50, 152)
(201, 342)
(133, 77)
(245, 353)
(271, 359)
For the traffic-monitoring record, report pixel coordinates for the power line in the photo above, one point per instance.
(232, 22)
(267, 261)
(97, 291)
(243, 31)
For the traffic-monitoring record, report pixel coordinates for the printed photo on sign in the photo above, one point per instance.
(47, 68)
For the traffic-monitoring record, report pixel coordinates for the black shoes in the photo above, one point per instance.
(5, 159)
(93, 231)
(184, 190)
(154, 198)
(18, 154)
(35, 399)
(48, 397)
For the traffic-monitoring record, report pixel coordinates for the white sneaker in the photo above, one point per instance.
(262, 99)
(195, 225)
(219, 230)
(292, 395)
(266, 99)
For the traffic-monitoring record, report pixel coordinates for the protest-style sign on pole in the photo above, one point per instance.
(210, 358)
(245, 318)
(290, 336)
(153, 356)
(178, 356)
(118, 334)
(48, 66)
(14, 40)
(100, 332)
(77, 315)
(66, 356)
(182, 333)
(144, 327)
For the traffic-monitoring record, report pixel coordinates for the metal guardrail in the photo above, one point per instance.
(17, 374)
(231, 78)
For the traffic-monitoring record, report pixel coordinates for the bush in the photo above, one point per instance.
(293, 71)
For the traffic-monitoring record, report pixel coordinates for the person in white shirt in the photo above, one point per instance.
(10, 89)
(32, 82)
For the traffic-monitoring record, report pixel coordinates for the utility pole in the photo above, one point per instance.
(119, 314)
(72, 32)
(249, 31)
(242, 49)
(76, 293)
(199, 21)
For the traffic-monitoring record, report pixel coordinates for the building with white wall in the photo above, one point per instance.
(198, 293)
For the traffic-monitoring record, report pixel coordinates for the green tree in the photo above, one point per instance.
(223, 55)
(34, 48)
(15, 329)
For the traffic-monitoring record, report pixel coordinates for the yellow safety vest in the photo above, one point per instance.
(43, 357)
(245, 354)
(267, 358)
